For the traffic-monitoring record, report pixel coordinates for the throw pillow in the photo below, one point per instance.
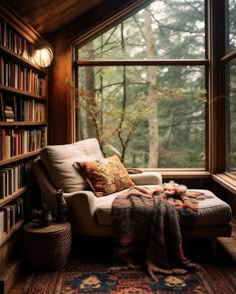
(106, 176)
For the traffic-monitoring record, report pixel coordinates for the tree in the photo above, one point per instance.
(174, 133)
(128, 119)
(152, 92)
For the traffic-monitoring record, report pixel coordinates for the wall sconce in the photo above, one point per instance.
(43, 56)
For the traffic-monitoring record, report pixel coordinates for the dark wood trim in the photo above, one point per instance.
(216, 106)
(99, 19)
(163, 62)
(228, 57)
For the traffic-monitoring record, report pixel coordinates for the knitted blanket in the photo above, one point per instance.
(147, 232)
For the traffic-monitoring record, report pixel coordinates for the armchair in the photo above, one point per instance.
(92, 216)
(89, 215)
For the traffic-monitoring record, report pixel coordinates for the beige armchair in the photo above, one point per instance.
(89, 215)
(92, 216)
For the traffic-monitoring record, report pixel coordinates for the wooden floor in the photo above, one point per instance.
(228, 244)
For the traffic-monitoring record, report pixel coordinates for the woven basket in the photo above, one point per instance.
(47, 248)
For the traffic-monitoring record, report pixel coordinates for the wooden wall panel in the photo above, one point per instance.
(59, 94)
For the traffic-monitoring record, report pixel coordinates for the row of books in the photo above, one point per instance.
(8, 113)
(20, 77)
(12, 178)
(11, 39)
(17, 141)
(9, 216)
(14, 108)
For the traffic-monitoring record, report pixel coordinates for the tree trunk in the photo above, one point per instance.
(152, 92)
(90, 86)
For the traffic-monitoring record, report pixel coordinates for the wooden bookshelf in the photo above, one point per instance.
(21, 60)
(23, 128)
(12, 90)
(13, 196)
(22, 123)
(14, 229)
(19, 157)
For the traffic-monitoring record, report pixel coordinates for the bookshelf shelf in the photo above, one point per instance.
(14, 229)
(23, 129)
(19, 157)
(12, 90)
(13, 196)
(19, 59)
(21, 123)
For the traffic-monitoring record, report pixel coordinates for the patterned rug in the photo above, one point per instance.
(83, 274)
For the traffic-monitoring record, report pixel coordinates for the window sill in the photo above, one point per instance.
(226, 181)
(182, 173)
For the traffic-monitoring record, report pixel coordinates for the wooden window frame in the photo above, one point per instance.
(214, 63)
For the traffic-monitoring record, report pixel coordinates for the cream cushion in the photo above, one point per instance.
(59, 160)
(212, 211)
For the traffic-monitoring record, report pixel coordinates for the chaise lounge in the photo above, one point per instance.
(90, 214)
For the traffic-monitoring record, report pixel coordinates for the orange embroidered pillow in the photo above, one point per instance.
(106, 176)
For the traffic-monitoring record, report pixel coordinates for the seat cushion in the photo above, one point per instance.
(212, 211)
(59, 160)
(104, 206)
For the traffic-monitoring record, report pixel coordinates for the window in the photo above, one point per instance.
(142, 87)
(231, 26)
(230, 86)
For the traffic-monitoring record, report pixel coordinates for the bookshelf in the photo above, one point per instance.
(23, 130)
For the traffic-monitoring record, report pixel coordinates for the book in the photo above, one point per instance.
(10, 182)
(18, 203)
(12, 215)
(2, 143)
(2, 116)
(2, 185)
(7, 144)
(10, 108)
(2, 224)
(5, 182)
(7, 216)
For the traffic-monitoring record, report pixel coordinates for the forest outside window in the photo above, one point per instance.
(142, 87)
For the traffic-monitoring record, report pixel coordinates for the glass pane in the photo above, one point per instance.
(232, 118)
(154, 116)
(166, 29)
(232, 26)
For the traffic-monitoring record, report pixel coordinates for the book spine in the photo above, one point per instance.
(2, 224)
(6, 210)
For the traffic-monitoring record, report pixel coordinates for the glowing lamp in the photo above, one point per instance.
(43, 56)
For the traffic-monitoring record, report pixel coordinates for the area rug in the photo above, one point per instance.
(87, 276)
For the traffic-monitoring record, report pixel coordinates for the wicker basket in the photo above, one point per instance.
(47, 248)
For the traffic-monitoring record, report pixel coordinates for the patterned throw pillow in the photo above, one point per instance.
(106, 176)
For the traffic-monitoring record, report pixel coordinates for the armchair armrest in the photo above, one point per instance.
(84, 201)
(147, 178)
(82, 207)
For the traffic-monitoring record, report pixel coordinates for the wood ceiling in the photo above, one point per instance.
(47, 16)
